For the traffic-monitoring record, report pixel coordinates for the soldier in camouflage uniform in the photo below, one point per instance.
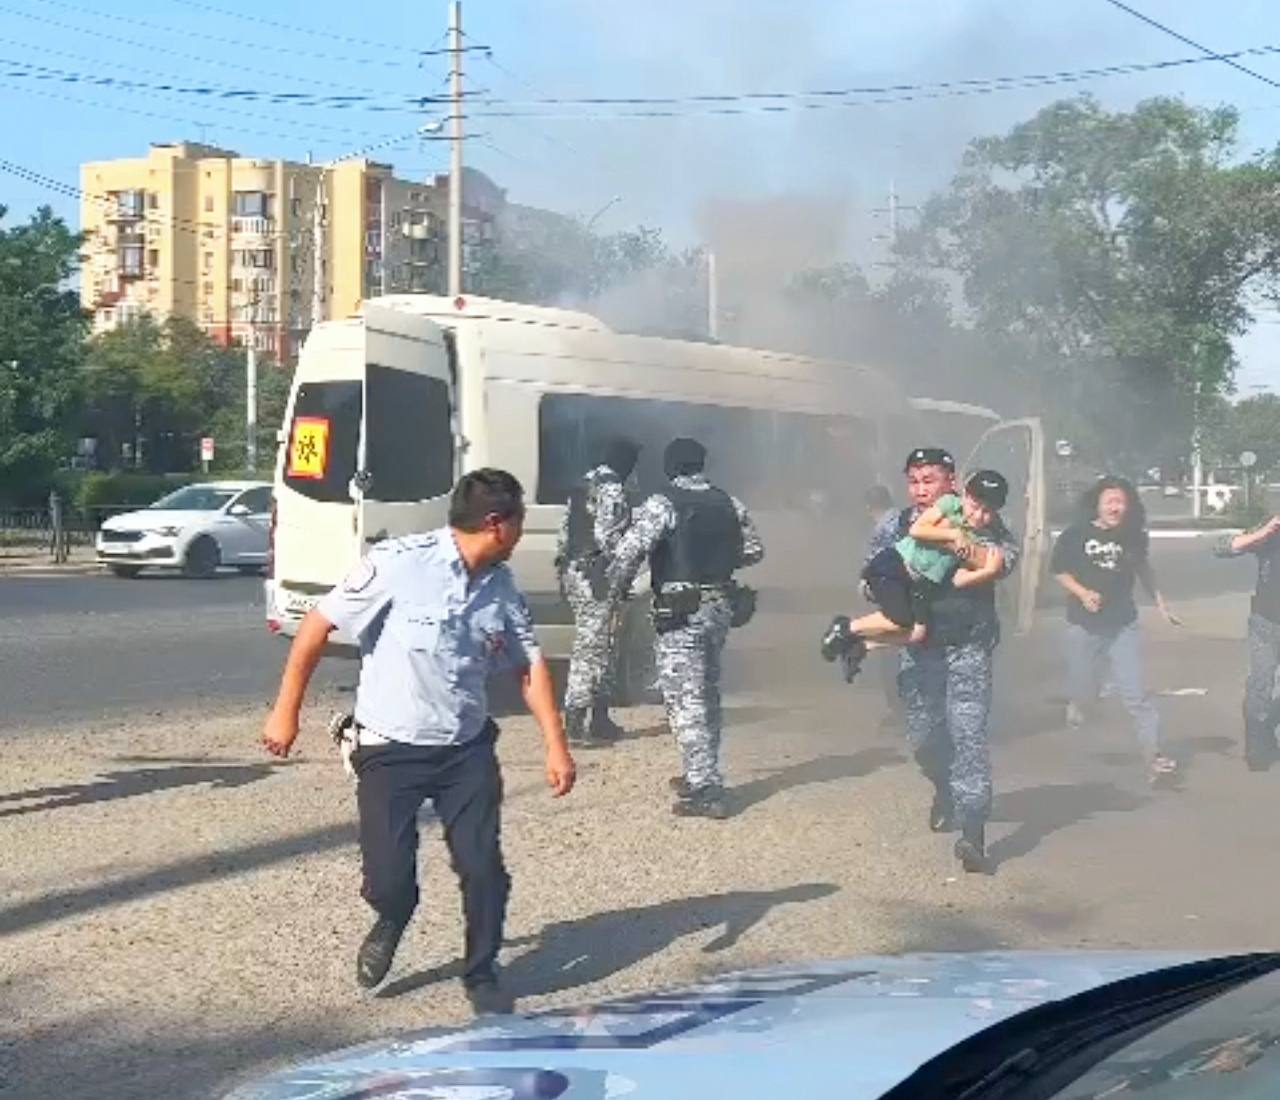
(1260, 749)
(694, 537)
(946, 682)
(596, 519)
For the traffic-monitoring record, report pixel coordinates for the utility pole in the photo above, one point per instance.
(713, 298)
(318, 251)
(251, 391)
(455, 159)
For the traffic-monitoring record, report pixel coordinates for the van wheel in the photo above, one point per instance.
(202, 558)
(129, 571)
(635, 677)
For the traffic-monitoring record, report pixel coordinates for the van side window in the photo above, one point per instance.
(408, 435)
(769, 459)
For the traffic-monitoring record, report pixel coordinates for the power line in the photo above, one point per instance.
(240, 43)
(409, 104)
(783, 102)
(152, 48)
(1191, 42)
(308, 131)
(296, 29)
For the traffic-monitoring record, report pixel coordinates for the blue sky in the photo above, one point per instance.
(664, 170)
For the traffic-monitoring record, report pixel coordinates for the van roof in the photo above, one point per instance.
(473, 307)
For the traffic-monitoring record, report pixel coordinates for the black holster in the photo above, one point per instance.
(742, 604)
(673, 607)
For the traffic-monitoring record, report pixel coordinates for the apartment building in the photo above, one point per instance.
(258, 250)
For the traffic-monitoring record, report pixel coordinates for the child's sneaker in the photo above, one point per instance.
(1163, 768)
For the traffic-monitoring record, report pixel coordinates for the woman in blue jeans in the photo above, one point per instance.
(1097, 560)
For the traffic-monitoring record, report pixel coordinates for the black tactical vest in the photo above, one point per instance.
(580, 541)
(706, 545)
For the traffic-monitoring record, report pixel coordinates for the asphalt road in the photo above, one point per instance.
(84, 648)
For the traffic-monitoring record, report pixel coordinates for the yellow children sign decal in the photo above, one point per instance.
(309, 448)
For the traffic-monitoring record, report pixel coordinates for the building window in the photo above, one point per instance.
(153, 258)
(264, 258)
(153, 201)
(208, 204)
(208, 289)
(208, 262)
(130, 204)
(296, 208)
(131, 259)
(251, 204)
(237, 285)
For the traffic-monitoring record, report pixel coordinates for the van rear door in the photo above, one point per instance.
(407, 454)
(1016, 449)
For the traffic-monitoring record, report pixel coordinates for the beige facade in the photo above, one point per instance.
(233, 242)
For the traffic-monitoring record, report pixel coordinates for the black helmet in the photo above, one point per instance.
(684, 456)
(989, 488)
(930, 456)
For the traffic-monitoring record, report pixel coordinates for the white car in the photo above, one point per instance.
(196, 529)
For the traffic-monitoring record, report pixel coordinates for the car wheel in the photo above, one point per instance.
(125, 570)
(202, 558)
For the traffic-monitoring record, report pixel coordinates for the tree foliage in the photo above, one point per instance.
(1113, 253)
(42, 331)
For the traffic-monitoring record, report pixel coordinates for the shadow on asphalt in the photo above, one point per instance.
(1044, 810)
(573, 953)
(133, 783)
(823, 769)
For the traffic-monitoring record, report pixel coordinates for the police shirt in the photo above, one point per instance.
(1106, 560)
(429, 636)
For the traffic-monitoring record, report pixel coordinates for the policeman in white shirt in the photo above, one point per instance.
(435, 614)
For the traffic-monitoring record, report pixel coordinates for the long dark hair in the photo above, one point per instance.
(1135, 515)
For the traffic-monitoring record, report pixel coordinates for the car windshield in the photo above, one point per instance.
(194, 498)
(1226, 1048)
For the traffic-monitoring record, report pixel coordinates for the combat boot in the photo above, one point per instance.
(578, 731)
(971, 848)
(705, 801)
(603, 727)
(941, 812)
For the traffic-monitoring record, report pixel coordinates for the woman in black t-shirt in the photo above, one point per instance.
(1097, 560)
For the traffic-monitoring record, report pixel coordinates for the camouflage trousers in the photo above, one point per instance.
(688, 661)
(947, 692)
(591, 662)
(1259, 689)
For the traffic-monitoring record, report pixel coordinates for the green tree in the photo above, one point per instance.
(1111, 254)
(1249, 425)
(152, 388)
(42, 333)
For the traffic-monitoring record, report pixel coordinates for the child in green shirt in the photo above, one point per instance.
(904, 580)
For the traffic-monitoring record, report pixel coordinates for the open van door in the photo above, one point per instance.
(408, 449)
(1016, 449)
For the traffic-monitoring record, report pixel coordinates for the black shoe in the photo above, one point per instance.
(603, 727)
(577, 731)
(971, 849)
(705, 801)
(373, 960)
(941, 813)
(489, 998)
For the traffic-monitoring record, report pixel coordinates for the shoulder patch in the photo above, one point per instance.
(360, 577)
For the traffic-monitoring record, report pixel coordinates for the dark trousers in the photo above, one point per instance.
(465, 787)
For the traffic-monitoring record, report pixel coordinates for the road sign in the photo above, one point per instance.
(206, 448)
(1248, 459)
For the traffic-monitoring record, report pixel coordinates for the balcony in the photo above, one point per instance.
(252, 227)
